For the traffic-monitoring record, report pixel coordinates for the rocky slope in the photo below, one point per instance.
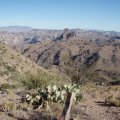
(86, 55)
(18, 76)
(13, 67)
(83, 60)
(90, 60)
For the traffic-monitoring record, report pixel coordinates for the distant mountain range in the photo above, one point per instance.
(27, 28)
(23, 34)
(16, 28)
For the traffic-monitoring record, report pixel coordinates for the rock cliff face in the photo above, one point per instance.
(66, 35)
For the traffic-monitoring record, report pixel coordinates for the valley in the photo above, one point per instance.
(32, 59)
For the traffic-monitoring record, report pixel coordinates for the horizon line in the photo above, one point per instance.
(33, 27)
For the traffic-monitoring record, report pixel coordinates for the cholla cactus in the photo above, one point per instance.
(54, 94)
(38, 97)
(55, 88)
(28, 98)
(48, 88)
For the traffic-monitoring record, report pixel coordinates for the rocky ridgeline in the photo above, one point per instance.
(67, 34)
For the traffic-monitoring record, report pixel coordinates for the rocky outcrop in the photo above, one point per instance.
(67, 34)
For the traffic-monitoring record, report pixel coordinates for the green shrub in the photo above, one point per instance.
(36, 80)
(32, 81)
(6, 86)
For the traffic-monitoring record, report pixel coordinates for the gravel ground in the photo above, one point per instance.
(91, 109)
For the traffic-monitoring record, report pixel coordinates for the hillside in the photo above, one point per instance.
(19, 76)
(15, 67)
(85, 61)
(81, 59)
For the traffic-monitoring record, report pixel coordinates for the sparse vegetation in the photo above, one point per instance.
(46, 96)
(6, 86)
(8, 106)
(113, 100)
(95, 84)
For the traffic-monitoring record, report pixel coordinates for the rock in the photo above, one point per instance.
(67, 34)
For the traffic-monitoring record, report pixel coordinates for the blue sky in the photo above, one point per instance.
(59, 14)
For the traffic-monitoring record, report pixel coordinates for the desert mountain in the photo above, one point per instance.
(25, 35)
(87, 55)
(16, 29)
(15, 67)
(94, 58)
(85, 60)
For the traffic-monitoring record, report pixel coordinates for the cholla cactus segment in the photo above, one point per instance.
(55, 88)
(49, 87)
(38, 97)
(28, 97)
(42, 90)
(69, 86)
(77, 91)
(62, 97)
(64, 87)
(57, 93)
(49, 96)
(63, 92)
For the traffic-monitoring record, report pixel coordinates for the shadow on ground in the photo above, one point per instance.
(102, 103)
